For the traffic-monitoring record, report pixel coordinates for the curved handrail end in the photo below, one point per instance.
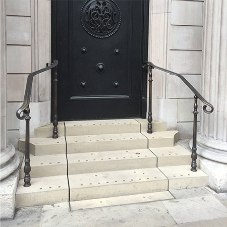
(147, 65)
(208, 111)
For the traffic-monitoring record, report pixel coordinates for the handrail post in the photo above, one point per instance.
(194, 147)
(55, 115)
(27, 166)
(149, 129)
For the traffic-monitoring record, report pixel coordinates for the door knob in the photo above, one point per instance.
(100, 67)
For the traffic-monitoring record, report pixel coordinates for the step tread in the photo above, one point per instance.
(121, 200)
(101, 122)
(181, 172)
(97, 127)
(46, 141)
(49, 190)
(93, 127)
(162, 139)
(91, 157)
(53, 165)
(113, 155)
(172, 156)
(60, 124)
(181, 177)
(105, 137)
(43, 184)
(86, 138)
(106, 142)
(52, 183)
(170, 151)
(156, 125)
(47, 130)
(116, 177)
(160, 135)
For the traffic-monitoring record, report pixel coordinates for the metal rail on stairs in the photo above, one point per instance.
(150, 66)
(23, 113)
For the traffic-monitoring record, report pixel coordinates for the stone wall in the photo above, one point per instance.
(28, 49)
(176, 29)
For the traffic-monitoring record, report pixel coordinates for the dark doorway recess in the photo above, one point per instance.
(100, 46)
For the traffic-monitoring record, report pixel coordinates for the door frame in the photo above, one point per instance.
(143, 57)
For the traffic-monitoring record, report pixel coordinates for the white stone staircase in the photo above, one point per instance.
(112, 160)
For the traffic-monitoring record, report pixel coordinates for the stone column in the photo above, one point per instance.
(212, 141)
(9, 161)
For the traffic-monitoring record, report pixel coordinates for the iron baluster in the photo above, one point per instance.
(55, 115)
(23, 113)
(207, 107)
(149, 129)
(194, 147)
(27, 166)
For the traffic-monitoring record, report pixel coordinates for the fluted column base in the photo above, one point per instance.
(9, 161)
(212, 159)
(9, 177)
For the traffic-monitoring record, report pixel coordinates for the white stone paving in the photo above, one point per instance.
(205, 210)
(195, 209)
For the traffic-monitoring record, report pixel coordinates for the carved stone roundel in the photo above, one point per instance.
(100, 18)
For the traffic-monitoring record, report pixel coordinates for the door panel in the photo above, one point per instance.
(99, 45)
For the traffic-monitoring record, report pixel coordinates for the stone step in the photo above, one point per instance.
(181, 177)
(172, 156)
(53, 165)
(121, 200)
(156, 125)
(44, 146)
(46, 131)
(50, 190)
(106, 142)
(162, 139)
(97, 127)
(97, 143)
(81, 144)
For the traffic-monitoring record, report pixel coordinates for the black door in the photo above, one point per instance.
(100, 46)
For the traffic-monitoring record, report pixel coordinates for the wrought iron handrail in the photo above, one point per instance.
(28, 90)
(150, 64)
(23, 113)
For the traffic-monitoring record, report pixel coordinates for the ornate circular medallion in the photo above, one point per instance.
(100, 18)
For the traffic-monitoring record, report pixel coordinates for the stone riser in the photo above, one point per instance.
(105, 166)
(53, 165)
(97, 143)
(49, 190)
(121, 200)
(106, 143)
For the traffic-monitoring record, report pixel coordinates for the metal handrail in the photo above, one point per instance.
(150, 64)
(23, 113)
(27, 96)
